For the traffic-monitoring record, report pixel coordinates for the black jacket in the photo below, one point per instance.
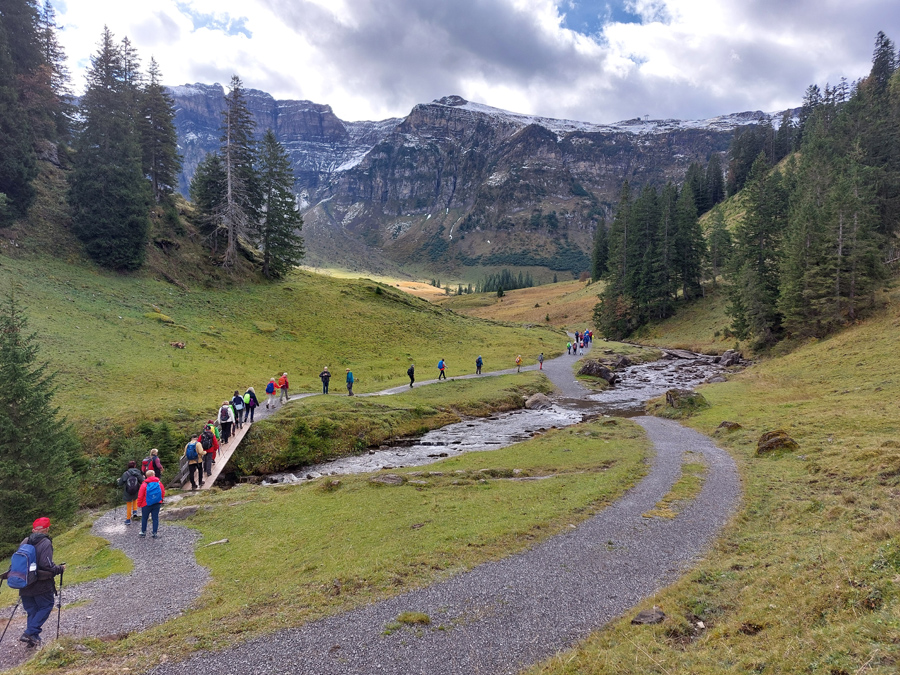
(123, 480)
(43, 547)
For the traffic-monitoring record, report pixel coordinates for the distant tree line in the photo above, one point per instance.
(817, 237)
(505, 280)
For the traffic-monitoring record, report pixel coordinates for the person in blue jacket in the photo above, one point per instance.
(478, 364)
(349, 382)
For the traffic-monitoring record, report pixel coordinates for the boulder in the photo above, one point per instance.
(387, 479)
(684, 399)
(597, 369)
(728, 426)
(648, 616)
(775, 440)
(729, 358)
(538, 402)
(623, 362)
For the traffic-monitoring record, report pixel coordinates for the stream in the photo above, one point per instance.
(639, 383)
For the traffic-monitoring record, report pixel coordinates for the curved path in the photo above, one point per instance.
(500, 617)
(504, 616)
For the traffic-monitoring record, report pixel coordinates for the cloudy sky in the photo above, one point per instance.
(576, 59)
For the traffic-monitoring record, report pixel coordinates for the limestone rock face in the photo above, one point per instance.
(455, 180)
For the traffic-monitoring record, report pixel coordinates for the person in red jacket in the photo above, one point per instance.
(150, 505)
(283, 386)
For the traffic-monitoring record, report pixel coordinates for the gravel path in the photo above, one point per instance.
(504, 616)
(165, 567)
(498, 618)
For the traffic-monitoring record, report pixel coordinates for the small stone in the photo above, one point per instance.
(775, 440)
(387, 479)
(729, 426)
(649, 616)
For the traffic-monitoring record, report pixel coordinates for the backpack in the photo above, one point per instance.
(223, 414)
(149, 463)
(206, 439)
(238, 403)
(247, 398)
(23, 567)
(441, 364)
(191, 451)
(411, 371)
(154, 493)
(270, 388)
(132, 484)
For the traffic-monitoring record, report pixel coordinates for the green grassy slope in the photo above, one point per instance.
(111, 347)
(806, 579)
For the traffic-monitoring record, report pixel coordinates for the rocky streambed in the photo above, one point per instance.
(635, 385)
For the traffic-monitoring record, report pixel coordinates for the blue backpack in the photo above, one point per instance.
(23, 567)
(191, 450)
(154, 493)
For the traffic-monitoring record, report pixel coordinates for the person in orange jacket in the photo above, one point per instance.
(150, 499)
(283, 386)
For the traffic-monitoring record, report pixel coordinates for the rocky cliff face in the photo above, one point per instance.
(455, 184)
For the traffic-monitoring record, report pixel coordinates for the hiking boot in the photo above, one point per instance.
(128, 521)
(156, 536)
(25, 638)
(142, 534)
(32, 641)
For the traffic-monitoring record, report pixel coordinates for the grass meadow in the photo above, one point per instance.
(380, 540)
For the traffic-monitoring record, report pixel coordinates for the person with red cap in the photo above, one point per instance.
(37, 597)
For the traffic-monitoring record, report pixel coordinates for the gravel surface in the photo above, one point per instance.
(504, 616)
(164, 568)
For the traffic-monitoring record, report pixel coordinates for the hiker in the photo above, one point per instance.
(150, 500)
(325, 376)
(270, 392)
(152, 462)
(237, 403)
(37, 596)
(226, 419)
(283, 386)
(194, 453)
(541, 361)
(349, 383)
(568, 348)
(441, 366)
(210, 445)
(411, 371)
(250, 403)
(130, 482)
(478, 364)
(518, 363)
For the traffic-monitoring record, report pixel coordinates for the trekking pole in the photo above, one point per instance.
(59, 605)
(10, 620)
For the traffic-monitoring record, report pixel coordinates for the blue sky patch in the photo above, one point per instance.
(223, 22)
(588, 17)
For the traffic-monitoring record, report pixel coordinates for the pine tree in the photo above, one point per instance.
(18, 166)
(242, 193)
(718, 244)
(36, 445)
(689, 246)
(600, 252)
(55, 78)
(208, 190)
(715, 180)
(754, 278)
(159, 140)
(108, 192)
(279, 228)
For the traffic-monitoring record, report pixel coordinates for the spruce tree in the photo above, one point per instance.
(279, 228)
(18, 165)
(238, 154)
(600, 252)
(208, 189)
(108, 192)
(161, 162)
(689, 246)
(718, 245)
(715, 180)
(36, 444)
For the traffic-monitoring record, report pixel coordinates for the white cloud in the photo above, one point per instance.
(372, 59)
